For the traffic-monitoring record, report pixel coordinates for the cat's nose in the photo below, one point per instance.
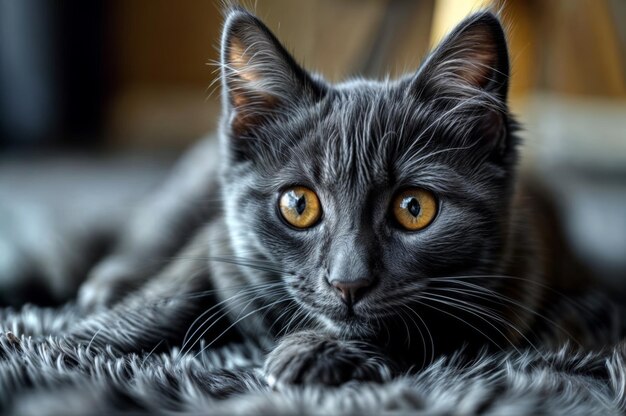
(352, 291)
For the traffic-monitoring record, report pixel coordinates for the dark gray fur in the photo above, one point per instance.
(227, 267)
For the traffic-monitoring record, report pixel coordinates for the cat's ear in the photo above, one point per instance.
(472, 59)
(468, 75)
(260, 79)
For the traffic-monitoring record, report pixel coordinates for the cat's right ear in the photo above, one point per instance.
(260, 79)
(471, 60)
(468, 75)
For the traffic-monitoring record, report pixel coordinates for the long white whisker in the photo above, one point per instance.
(502, 297)
(430, 336)
(224, 314)
(487, 312)
(239, 320)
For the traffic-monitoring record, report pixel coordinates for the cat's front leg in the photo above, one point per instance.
(158, 231)
(309, 357)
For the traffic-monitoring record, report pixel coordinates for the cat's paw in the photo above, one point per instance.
(308, 358)
(108, 283)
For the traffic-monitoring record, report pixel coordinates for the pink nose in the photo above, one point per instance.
(351, 291)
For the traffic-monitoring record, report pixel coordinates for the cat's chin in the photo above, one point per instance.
(348, 326)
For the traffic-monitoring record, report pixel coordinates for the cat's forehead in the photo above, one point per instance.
(362, 135)
(358, 94)
(364, 112)
(365, 131)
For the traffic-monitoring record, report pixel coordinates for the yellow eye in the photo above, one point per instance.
(414, 208)
(300, 207)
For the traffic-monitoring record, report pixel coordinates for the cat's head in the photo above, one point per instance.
(364, 191)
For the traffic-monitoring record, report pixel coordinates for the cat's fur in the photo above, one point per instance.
(70, 379)
(474, 278)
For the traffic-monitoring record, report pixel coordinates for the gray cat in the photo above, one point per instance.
(354, 230)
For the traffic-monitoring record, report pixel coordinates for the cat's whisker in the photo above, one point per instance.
(306, 317)
(282, 299)
(459, 319)
(211, 292)
(562, 296)
(296, 312)
(502, 277)
(483, 313)
(509, 302)
(408, 331)
(145, 358)
(291, 305)
(93, 338)
(224, 313)
(231, 299)
(481, 295)
(287, 310)
(419, 330)
(455, 304)
(430, 336)
(527, 327)
(187, 338)
(298, 319)
(254, 264)
(219, 315)
(294, 318)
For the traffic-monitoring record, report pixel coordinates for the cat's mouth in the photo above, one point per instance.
(349, 316)
(347, 320)
(336, 315)
(347, 326)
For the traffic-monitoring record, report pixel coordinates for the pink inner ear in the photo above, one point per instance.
(244, 81)
(239, 62)
(479, 74)
(477, 55)
(249, 103)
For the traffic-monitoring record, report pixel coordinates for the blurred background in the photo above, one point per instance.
(98, 98)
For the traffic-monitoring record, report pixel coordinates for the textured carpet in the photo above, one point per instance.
(42, 373)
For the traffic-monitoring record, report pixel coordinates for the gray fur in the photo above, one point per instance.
(451, 323)
(41, 375)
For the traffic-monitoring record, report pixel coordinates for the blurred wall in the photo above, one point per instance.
(165, 55)
(142, 73)
(52, 72)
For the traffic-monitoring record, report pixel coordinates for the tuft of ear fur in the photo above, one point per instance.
(260, 78)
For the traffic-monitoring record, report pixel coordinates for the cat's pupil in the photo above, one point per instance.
(413, 207)
(300, 204)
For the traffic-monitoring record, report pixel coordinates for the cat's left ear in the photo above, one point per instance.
(468, 76)
(472, 59)
(260, 79)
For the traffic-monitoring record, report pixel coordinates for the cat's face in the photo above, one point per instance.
(364, 192)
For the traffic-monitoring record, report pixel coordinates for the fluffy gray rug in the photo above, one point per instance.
(42, 373)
